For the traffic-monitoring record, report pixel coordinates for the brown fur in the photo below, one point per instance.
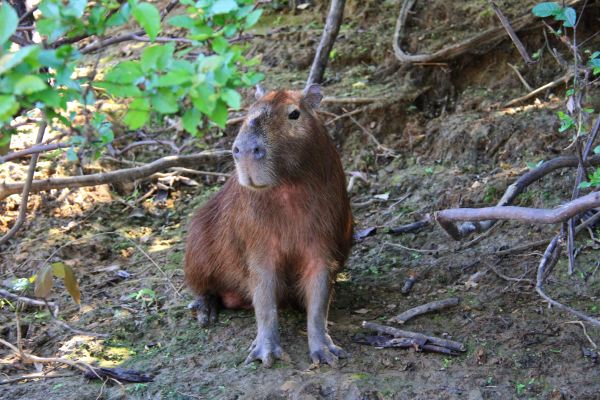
(292, 226)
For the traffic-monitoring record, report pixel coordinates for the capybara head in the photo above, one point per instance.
(276, 140)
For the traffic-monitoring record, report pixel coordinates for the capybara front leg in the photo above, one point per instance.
(266, 347)
(321, 347)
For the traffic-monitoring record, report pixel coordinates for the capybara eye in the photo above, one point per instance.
(294, 114)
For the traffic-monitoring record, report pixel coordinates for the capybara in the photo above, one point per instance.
(279, 230)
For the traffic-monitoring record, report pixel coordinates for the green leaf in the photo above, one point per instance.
(148, 17)
(8, 22)
(173, 78)
(219, 44)
(232, 98)
(43, 282)
(546, 9)
(8, 106)
(138, 113)
(157, 57)
(224, 7)
(191, 120)
(119, 90)
(597, 150)
(29, 84)
(204, 99)
(252, 18)
(71, 155)
(219, 114)
(181, 21)
(75, 8)
(164, 102)
(120, 17)
(567, 15)
(571, 17)
(125, 72)
(7, 61)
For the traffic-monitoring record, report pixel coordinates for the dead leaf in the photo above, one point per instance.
(43, 282)
(362, 311)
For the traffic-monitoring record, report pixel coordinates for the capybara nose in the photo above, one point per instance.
(251, 147)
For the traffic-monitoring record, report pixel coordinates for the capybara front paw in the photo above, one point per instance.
(323, 351)
(266, 351)
(206, 310)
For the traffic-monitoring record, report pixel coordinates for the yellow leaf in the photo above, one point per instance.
(58, 268)
(71, 283)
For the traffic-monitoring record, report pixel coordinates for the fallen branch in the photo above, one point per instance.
(458, 49)
(384, 342)
(25, 189)
(415, 226)
(330, 32)
(425, 308)
(515, 189)
(446, 218)
(129, 174)
(399, 333)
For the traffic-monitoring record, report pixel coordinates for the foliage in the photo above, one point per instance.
(576, 115)
(553, 9)
(44, 281)
(145, 296)
(196, 81)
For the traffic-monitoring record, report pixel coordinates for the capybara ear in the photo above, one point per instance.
(312, 96)
(260, 92)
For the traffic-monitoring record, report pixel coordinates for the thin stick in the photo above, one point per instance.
(32, 150)
(27, 300)
(26, 188)
(154, 263)
(513, 36)
(545, 263)
(425, 308)
(37, 375)
(533, 93)
(424, 251)
(584, 332)
(523, 81)
(80, 365)
(450, 344)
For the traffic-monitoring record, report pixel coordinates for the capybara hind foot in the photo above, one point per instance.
(206, 310)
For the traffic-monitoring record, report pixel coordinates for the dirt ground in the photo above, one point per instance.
(446, 141)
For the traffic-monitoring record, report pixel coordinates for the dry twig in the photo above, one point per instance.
(25, 189)
(425, 308)
(130, 174)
